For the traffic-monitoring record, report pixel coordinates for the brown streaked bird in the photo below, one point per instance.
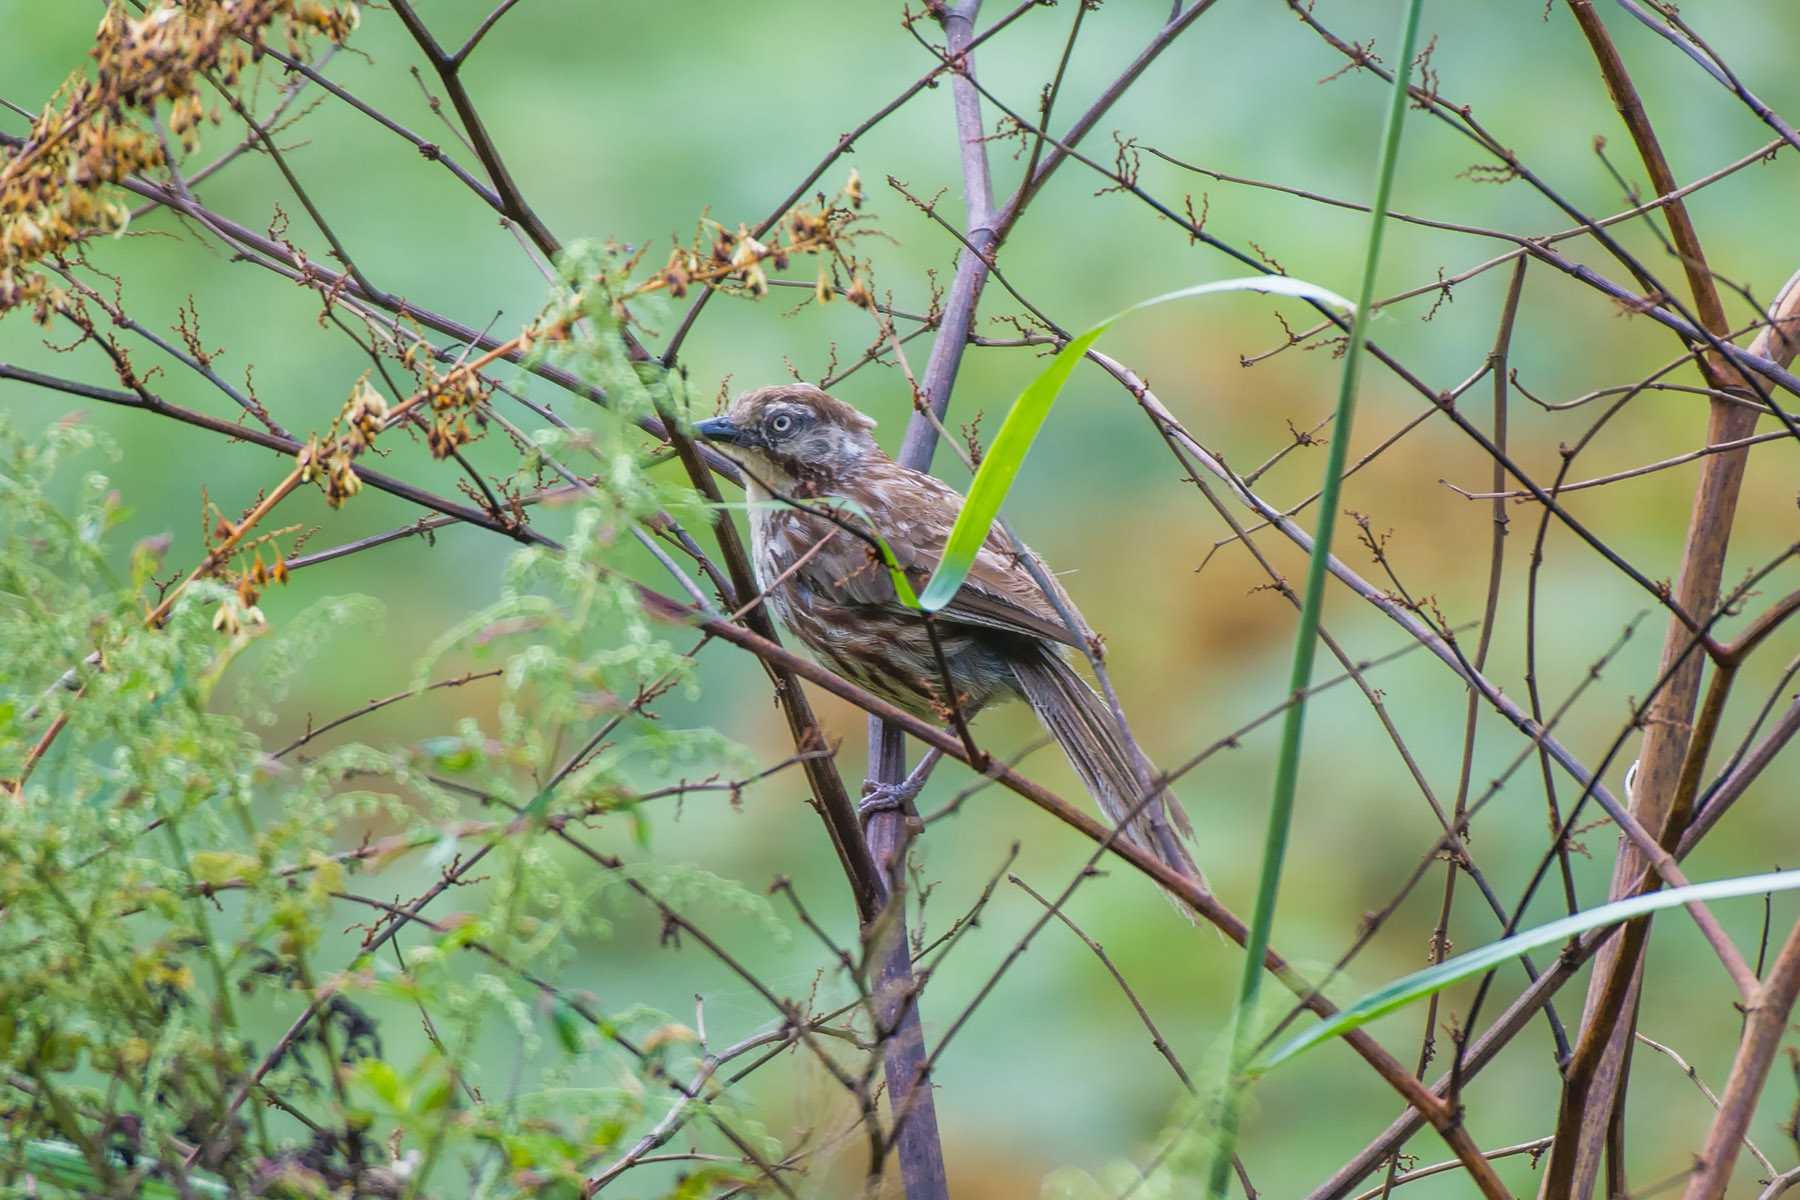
(1001, 636)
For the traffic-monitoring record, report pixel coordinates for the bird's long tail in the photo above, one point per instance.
(1083, 725)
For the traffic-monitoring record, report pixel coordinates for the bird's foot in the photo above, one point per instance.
(895, 797)
(883, 797)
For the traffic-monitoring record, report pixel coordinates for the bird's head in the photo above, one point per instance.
(794, 439)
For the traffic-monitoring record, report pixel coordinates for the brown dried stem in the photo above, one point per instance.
(1673, 750)
(1767, 1024)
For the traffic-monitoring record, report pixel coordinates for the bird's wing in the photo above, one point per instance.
(915, 512)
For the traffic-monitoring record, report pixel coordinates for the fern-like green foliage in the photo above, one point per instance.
(182, 1010)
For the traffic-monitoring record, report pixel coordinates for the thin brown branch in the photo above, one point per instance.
(1669, 758)
(1767, 1015)
(1712, 1099)
(1189, 891)
(376, 705)
(1156, 1037)
(448, 67)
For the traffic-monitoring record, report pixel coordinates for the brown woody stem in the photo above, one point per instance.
(1669, 745)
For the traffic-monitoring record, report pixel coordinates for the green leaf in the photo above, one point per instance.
(1420, 984)
(435, 1097)
(709, 1181)
(451, 752)
(147, 557)
(382, 1080)
(223, 866)
(1287, 765)
(64, 1165)
(568, 1030)
(1001, 464)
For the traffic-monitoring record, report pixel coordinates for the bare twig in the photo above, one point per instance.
(1767, 1015)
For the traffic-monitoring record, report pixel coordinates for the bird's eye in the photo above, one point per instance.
(782, 423)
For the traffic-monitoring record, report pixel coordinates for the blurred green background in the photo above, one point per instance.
(630, 121)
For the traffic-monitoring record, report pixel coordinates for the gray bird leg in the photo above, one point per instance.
(897, 797)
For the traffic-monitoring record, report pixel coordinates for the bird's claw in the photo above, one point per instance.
(896, 797)
(887, 797)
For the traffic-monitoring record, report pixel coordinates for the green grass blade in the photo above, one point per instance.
(63, 1165)
(1287, 767)
(1000, 466)
(1420, 984)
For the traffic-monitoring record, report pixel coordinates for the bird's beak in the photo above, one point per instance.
(720, 429)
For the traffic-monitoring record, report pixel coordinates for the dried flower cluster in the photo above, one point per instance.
(95, 133)
(720, 258)
(363, 417)
(240, 610)
(366, 415)
(454, 399)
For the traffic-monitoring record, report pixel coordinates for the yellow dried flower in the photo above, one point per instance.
(341, 480)
(308, 459)
(94, 135)
(366, 411)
